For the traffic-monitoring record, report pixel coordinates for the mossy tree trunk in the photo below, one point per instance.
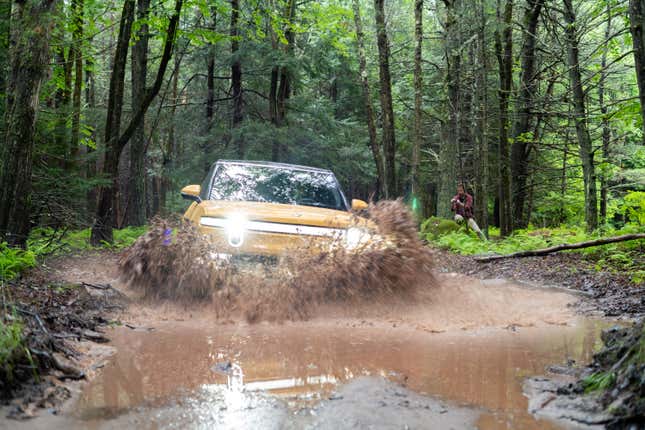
(31, 25)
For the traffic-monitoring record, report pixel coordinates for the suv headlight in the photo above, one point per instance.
(234, 226)
(235, 230)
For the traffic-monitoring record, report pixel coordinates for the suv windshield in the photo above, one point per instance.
(276, 184)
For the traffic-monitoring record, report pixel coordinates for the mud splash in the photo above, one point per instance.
(177, 267)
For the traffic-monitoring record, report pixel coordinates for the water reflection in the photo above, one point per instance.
(301, 362)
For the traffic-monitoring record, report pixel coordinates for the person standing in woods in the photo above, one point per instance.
(462, 206)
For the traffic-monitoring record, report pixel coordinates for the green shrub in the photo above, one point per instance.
(435, 227)
(634, 206)
(45, 241)
(13, 261)
(12, 349)
(615, 257)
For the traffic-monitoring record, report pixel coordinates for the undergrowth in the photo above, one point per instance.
(47, 241)
(615, 257)
(12, 348)
(13, 261)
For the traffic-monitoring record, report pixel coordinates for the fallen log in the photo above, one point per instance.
(563, 247)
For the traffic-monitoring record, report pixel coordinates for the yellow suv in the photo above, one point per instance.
(253, 208)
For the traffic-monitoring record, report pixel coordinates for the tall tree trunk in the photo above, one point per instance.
(105, 217)
(449, 145)
(387, 110)
(580, 118)
(90, 101)
(62, 99)
(637, 27)
(524, 112)
(136, 208)
(170, 149)
(5, 19)
(103, 224)
(418, 97)
(77, 48)
(210, 77)
(29, 55)
(284, 88)
(369, 108)
(236, 73)
(504, 51)
(481, 190)
(606, 130)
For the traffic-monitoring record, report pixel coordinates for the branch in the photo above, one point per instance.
(563, 247)
(152, 92)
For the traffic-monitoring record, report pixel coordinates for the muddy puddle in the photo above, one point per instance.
(167, 377)
(456, 362)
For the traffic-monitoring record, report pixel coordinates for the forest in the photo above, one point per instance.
(109, 107)
(399, 315)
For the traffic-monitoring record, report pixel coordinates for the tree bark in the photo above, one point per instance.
(564, 247)
(449, 142)
(170, 148)
(369, 108)
(580, 118)
(637, 28)
(387, 111)
(418, 97)
(210, 77)
(77, 47)
(102, 228)
(31, 24)
(236, 74)
(504, 51)
(136, 208)
(522, 141)
(481, 190)
(284, 88)
(105, 217)
(606, 130)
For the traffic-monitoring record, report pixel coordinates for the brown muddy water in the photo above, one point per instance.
(458, 362)
(300, 365)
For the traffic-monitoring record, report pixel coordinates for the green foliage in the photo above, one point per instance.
(46, 240)
(599, 381)
(625, 257)
(13, 261)
(634, 206)
(434, 227)
(11, 346)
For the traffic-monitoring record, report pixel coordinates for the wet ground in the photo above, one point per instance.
(455, 361)
(166, 376)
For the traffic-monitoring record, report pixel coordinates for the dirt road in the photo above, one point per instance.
(456, 360)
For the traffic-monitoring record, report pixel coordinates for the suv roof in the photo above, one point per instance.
(273, 164)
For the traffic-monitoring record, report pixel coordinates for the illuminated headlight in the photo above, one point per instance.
(355, 237)
(235, 230)
(234, 226)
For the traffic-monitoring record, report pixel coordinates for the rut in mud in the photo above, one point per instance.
(166, 266)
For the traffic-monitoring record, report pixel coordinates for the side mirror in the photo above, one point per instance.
(358, 205)
(191, 192)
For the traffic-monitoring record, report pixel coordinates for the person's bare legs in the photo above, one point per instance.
(473, 224)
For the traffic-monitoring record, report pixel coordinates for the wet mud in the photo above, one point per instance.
(300, 373)
(175, 262)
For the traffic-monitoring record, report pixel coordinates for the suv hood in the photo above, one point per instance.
(280, 213)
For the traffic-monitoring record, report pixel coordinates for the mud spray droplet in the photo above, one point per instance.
(397, 265)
